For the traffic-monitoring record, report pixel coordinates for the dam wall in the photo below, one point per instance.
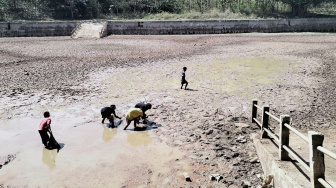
(66, 28)
(221, 26)
(36, 29)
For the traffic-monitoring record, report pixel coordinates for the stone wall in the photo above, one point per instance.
(37, 29)
(221, 26)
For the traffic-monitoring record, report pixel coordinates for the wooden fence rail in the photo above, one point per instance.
(316, 167)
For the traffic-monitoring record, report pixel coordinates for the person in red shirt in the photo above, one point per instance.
(44, 128)
(46, 134)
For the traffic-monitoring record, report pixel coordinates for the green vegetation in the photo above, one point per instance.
(163, 9)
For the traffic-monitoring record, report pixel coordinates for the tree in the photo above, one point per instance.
(3, 7)
(299, 7)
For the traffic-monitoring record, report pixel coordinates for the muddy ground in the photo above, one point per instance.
(209, 123)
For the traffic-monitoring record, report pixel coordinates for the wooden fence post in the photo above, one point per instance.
(265, 122)
(284, 137)
(316, 158)
(254, 109)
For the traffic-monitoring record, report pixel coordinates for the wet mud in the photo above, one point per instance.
(7, 159)
(204, 130)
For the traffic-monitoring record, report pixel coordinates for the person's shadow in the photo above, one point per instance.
(116, 124)
(189, 89)
(147, 125)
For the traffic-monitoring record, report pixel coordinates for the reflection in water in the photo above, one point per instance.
(136, 138)
(49, 157)
(108, 133)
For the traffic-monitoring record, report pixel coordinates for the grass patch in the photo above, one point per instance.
(193, 15)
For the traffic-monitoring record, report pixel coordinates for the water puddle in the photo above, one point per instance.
(92, 155)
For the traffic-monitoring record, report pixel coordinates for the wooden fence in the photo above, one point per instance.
(316, 167)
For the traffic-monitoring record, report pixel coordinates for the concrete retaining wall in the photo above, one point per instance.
(29, 29)
(285, 173)
(221, 26)
(36, 29)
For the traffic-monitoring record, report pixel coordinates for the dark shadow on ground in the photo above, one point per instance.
(116, 124)
(189, 89)
(294, 162)
(61, 145)
(147, 126)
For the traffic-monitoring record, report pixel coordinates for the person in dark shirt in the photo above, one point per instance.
(107, 112)
(144, 107)
(183, 80)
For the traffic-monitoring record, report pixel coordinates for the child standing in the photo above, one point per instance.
(183, 80)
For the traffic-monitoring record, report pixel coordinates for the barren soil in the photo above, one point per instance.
(207, 128)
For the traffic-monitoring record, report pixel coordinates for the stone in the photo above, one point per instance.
(254, 160)
(267, 181)
(216, 177)
(241, 139)
(235, 155)
(243, 125)
(209, 132)
(246, 183)
(220, 118)
(186, 176)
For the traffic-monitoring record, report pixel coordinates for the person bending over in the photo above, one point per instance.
(144, 107)
(107, 112)
(44, 128)
(133, 114)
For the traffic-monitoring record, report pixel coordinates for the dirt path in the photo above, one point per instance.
(205, 130)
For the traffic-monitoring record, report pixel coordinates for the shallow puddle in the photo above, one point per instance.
(92, 155)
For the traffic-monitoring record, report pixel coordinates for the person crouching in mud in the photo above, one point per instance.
(133, 114)
(107, 112)
(44, 128)
(144, 107)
